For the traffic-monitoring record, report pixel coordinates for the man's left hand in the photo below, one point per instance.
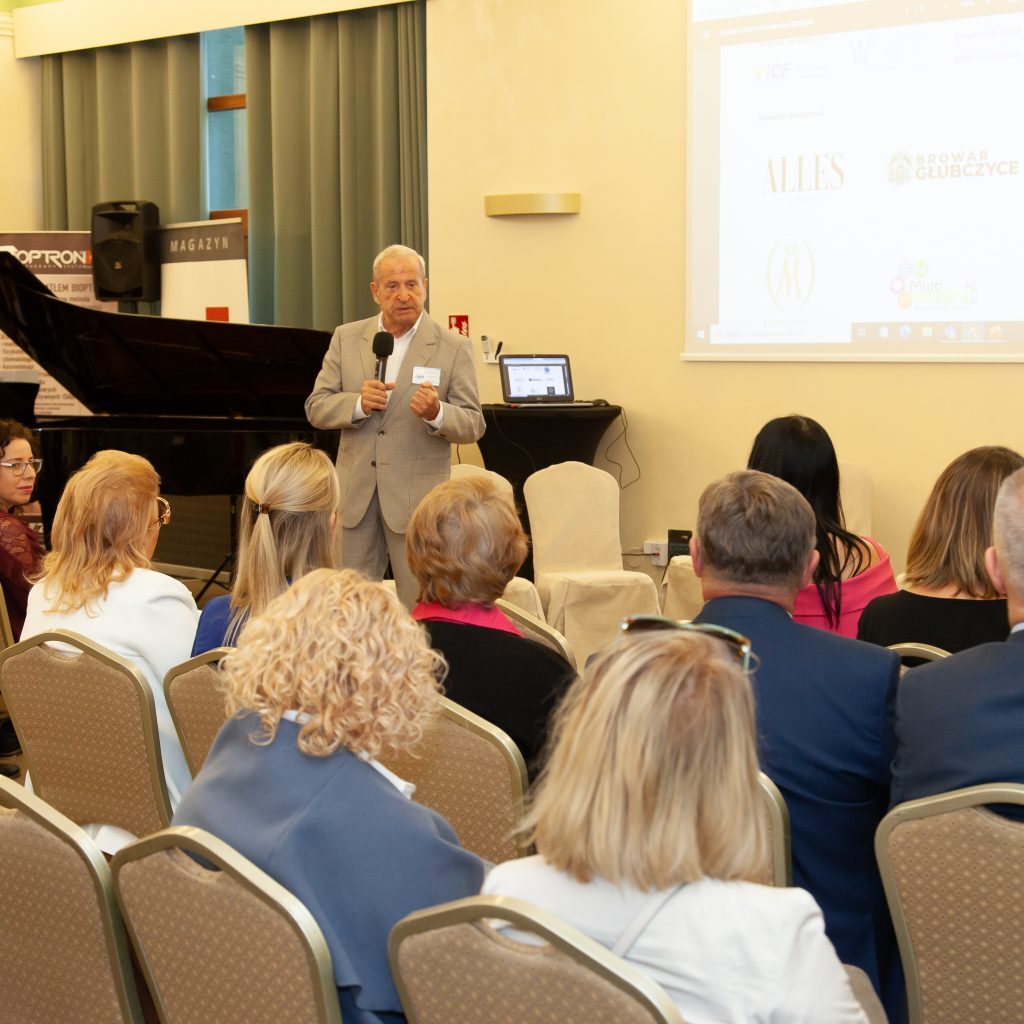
(425, 402)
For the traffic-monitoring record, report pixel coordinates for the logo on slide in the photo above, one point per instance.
(791, 273)
(901, 168)
(807, 172)
(949, 164)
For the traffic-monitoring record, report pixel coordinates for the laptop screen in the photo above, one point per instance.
(535, 378)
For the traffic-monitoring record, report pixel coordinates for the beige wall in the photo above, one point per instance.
(552, 95)
(21, 196)
(533, 95)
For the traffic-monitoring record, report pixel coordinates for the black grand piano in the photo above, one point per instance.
(199, 399)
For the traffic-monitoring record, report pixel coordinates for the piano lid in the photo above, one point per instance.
(122, 363)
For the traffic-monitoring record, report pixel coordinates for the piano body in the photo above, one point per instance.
(201, 400)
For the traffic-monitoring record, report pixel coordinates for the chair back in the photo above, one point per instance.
(196, 703)
(87, 725)
(450, 964)
(951, 870)
(856, 492)
(924, 652)
(574, 519)
(219, 941)
(6, 632)
(682, 594)
(62, 942)
(865, 994)
(536, 629)
(779, 869)
(473, 775)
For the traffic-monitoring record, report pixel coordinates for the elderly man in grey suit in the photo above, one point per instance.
(396, 434)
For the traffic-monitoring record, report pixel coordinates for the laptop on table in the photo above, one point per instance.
(537, 380)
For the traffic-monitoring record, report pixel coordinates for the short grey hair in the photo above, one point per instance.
(755, 528)
(399, 252)
(1008, 530)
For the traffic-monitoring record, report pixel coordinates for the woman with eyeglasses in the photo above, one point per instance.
(287, 528)
(97, 581)
(20, 549)
(648, 825)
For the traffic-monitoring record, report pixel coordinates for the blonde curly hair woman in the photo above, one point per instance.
(333, 675)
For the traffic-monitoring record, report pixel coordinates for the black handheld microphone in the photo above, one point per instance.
(383, 346)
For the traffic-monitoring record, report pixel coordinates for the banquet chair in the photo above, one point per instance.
(577, 556)
(218, 940)
(856, 492)
(519, 591)
(538, 630)
(865, 994)
(951, 868)
(87, 725)
(196, 703)
(6, 632)
(682, 595)
(451, 964)
(62, 942)
(919, 652)
(779, 869)
(474, 776)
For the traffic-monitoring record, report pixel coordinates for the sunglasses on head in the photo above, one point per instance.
(737, 643)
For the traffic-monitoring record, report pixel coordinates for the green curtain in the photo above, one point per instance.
(336, 116)
(122, 123)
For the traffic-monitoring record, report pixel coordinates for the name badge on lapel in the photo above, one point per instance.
(426, 375)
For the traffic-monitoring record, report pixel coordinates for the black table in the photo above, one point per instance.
(520, 440)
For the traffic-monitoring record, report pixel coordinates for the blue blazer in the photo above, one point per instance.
(825, 737)
(337, 834)
(959, 722)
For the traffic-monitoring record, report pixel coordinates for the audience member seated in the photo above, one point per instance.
(287, 529)
(464, 543)
(823, 709)
(97, 582)
(332, 675)
(20, 549)
(21, 552)
(648, 825)
(851, 570)
(959, 720)
(948, 600)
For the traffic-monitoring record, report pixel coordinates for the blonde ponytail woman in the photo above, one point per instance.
(287, 530)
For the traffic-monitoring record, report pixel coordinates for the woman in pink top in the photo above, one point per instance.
(852, 570)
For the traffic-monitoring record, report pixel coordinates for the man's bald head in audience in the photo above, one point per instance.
(1005, 562)
(755, 535)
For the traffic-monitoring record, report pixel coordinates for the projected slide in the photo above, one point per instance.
(856, 180)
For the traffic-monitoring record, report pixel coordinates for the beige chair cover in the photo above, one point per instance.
(577, 556)
(855, 491)
(682, 595)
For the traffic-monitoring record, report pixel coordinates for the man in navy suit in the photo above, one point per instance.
(959, 720)
(824, 709)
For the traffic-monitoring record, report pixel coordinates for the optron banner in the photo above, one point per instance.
(62, 260)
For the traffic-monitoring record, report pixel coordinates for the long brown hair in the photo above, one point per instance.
(947, 547)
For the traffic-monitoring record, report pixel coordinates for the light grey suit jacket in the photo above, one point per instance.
(394, 451)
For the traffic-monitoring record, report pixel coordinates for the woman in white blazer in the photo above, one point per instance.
(647, 824)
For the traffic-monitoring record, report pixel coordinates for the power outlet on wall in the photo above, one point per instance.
(658, 550)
